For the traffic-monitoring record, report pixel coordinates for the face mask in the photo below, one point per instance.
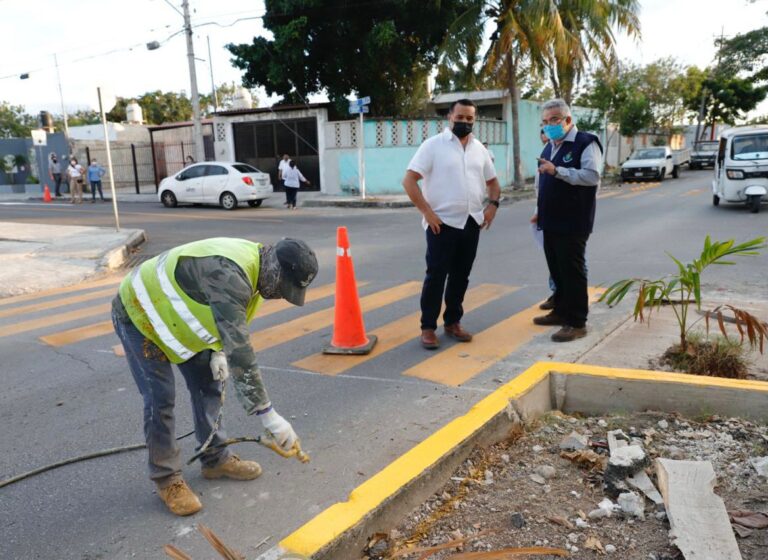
(554, 131)
(461, 128)
(73, 163)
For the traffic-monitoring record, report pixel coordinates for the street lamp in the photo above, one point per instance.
(197, 127)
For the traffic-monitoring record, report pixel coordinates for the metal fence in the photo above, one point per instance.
(131, 164)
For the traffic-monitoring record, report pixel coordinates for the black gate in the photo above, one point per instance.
(262, 144)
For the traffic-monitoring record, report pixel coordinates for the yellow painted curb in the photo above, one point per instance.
(323, 529)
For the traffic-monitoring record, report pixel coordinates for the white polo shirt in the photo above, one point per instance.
(454, 177)
(283, 166)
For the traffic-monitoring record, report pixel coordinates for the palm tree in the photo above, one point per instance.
(588, 33)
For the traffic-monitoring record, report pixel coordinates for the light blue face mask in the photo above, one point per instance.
(554, 131)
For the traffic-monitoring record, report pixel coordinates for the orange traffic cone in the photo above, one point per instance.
(348, 329)
(46, 194)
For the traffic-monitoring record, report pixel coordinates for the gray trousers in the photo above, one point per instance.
(153, 375)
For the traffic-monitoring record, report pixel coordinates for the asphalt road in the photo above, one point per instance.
(67, 393)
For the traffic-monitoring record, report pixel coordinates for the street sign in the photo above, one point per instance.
(360, 102)
(354, 109)
(39, 137)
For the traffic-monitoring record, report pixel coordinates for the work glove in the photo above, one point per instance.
(280, 429)
(219, 367)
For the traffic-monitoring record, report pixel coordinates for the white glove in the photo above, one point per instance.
(280, 428)
(219, 367)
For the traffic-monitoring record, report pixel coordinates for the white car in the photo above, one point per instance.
(216, 182)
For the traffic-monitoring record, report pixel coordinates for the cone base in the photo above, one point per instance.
(355, 350)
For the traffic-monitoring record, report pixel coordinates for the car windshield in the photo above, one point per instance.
(648, 154)
(244, 168)
(754, 146)
(706, 147)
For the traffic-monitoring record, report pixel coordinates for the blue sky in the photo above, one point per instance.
(32, 30)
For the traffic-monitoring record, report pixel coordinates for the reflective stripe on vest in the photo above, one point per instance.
(179, 305)
(157, 322)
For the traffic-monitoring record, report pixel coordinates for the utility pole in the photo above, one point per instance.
(197, 128)
(63, 109)
(213, 84)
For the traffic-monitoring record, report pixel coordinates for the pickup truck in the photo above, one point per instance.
(703, 155)
(654, 163)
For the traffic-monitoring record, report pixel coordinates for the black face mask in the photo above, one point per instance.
(461, 128)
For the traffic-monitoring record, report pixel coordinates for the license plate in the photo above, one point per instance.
(639, 174)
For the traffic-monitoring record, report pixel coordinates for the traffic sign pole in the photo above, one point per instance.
(361, 158)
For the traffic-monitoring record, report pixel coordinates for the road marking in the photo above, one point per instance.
(692, 192)
(111, 281)
(291, 330)
(609, 194)
(43, 322)
(637, 191)
(461, 362)
(397, 333)
(56, 303)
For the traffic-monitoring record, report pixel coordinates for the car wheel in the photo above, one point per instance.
(169, 199)
(676, 171)
(228, 201)
(255, 203)
(754, 203)
(662, 175)
(692, 166)
(715, 200)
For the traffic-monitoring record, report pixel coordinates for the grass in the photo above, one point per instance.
(715, 356)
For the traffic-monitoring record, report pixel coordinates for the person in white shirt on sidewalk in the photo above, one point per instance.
(292, 179)
(456, 172)
(282, 167)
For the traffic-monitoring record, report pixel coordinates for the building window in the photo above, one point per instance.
(221, 132)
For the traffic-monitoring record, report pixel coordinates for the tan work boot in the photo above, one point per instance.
(179, 498)
(234, 467)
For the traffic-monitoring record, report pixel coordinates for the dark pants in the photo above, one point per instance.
(567, 267)
(154, 377)
(96, 185)
(290, 196)
(450, 255)
(57, 182)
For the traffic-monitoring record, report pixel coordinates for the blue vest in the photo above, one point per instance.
(562, 207)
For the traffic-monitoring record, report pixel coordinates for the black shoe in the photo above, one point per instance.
(568, 334)
(549, 320)
(548, 304)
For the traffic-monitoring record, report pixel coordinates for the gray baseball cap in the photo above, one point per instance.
(298, 265)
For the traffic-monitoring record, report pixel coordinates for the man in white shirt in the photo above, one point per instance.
(282, 167)
(456, 170)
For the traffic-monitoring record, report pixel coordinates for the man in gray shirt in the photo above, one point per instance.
(54, 172)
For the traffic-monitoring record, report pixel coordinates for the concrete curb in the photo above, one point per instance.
(341, 531)
(116, 256)
(508, 197)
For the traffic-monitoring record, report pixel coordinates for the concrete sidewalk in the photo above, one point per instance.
(39, 257)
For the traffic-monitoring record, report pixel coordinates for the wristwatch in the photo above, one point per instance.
(494, 202)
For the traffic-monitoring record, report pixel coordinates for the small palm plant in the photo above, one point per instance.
(684, 288)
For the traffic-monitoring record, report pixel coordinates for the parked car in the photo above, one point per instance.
(216, 182)
(741, 167)
(703, 154)
(654, 163)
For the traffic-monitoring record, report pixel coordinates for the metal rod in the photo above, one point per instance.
(63, 109)
(109, 161)
(135, 168)
(213, 84)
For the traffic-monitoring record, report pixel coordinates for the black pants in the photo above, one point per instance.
(96, 185)
(567, 267)
(450, 255)
(57, 182)
(290, 196)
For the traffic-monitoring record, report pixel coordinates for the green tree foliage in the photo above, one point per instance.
(382, 49)
(157, 107)
(225, 95)
(746, 54)
(14, 121)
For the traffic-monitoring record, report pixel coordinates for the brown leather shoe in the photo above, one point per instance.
(235, 468)
(568, 334)
(456, 332)
(548, 304)
(429, 339)
(179, 498)
(548, 320)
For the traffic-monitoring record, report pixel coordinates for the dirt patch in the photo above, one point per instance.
(524, 493)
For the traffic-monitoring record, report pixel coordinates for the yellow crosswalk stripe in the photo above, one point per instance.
(462, 362)
(397, 333)
(609, 194)
(111, 281)
(86, 332)
(57, 303)
(291, 330)
(57, 319)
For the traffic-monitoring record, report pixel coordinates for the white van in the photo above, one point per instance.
(741, 169)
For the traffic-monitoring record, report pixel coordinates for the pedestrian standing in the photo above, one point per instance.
(75, 173)
(54, 172)
(191, 306)
(95, 173)
(292, 179)
(569, 176)
(455, 171)
(281, 169)
(549, 303)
